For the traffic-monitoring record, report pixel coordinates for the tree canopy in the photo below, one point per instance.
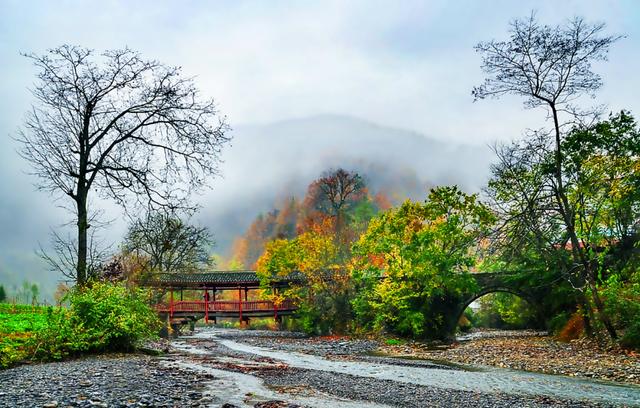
(413, 259)
(167, 244)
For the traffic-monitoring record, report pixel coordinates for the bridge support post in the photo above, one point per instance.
(277, 318)
(240, 304)
(206, 306)
(166, 331)
(275, 311)
(171, 303)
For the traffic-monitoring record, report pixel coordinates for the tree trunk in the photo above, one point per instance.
(83, 226)
(588, 318)
(576, 249)
(600, 308)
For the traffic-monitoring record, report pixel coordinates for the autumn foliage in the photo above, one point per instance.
(338, 204)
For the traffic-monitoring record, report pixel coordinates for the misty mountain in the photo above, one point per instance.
(264, 165)
(268, 163)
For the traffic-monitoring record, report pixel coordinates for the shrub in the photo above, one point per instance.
(465, 324)
(113, 316)
(103, 317)
(558, 322)
(622, 302)
(573, 329)
(267, 323)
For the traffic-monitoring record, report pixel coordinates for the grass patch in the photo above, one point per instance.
(18, 326)
(21, 322)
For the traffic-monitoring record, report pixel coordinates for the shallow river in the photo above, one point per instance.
(489, 380)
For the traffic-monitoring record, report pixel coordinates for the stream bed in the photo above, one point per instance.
(256, 371)
(264, 369)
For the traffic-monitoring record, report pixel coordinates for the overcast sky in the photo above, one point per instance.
(408, 64)
(404, 64)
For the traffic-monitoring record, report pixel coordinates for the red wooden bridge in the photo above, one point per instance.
(210, 284)
(222, 308)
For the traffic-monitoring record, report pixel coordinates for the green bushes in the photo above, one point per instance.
(505, 311)
(103, 317)
(622, 302)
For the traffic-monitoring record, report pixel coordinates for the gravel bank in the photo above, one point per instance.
(534, 353)
(399, 394)
(519, 351)
(102, 381)
(188, 375)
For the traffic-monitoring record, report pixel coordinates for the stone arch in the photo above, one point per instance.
(466, 301)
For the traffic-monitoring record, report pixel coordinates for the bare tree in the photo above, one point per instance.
(130, 129)
(169, 243)
(334, 194)
(336, 191)
(551, 67)
(62, 256)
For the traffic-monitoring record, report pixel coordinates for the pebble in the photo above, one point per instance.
(131, 380)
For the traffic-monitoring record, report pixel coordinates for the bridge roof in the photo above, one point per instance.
(218, 279)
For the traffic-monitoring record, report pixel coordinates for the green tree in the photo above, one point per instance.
(413, 260)
(506, 311)
(23, 294)
(604, 166)
(3, 294)
(35, 291)
(551, 67)
(622, 300)
(602, 178)
(603, 171)
(323, 296)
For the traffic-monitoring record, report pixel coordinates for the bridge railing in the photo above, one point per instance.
(200, 306)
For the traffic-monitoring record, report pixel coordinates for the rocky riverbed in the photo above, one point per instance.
(232, 368)
(518, 350)
(579, 358)
(102, 381)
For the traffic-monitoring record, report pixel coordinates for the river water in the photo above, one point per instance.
(486, 380)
